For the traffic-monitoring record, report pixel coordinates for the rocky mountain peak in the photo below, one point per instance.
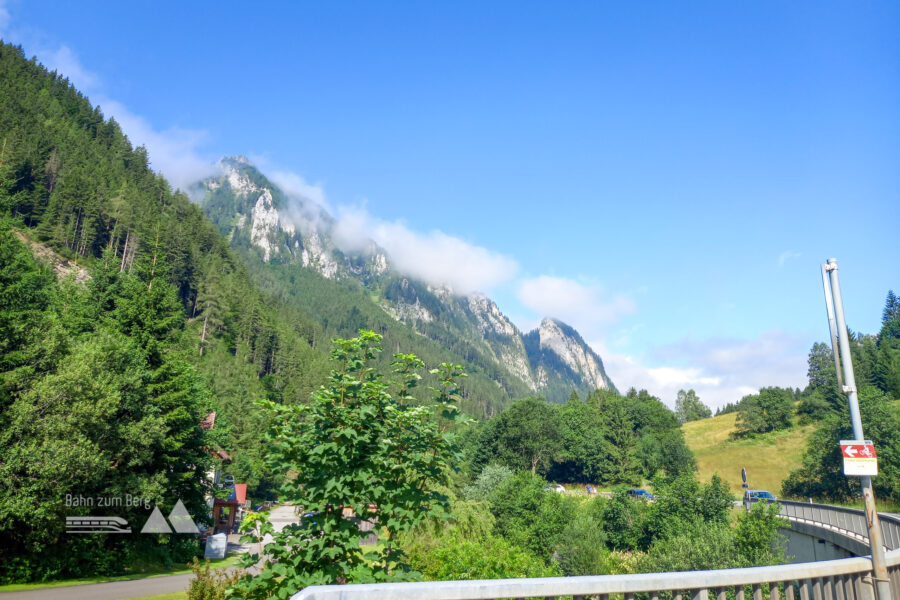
(489, 317)
(571, 351)
(261, 218)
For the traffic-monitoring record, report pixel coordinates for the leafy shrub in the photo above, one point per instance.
(581, 549)
(624, 521)
(457, 557)
(753, 542)
(528, 516)
(682, 502)
(821, 475)
(769, 410)
(208, 583)
(472, 520)
(489, 478)
(358, 446)
(757, 538)
(698, 546)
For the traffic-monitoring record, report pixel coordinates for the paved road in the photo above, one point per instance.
(283, 515)
(113, 590)
(134, 588)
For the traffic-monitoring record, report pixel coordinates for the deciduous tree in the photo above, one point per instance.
(357, 447)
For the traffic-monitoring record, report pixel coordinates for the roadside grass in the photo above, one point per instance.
(229, 561)
(769, 458)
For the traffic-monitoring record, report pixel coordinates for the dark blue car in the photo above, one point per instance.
(641, 494)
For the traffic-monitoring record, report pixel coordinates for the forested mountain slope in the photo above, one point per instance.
(72, 184)
(292, 249)
(71, 181)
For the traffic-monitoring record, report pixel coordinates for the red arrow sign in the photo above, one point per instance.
(858, 449)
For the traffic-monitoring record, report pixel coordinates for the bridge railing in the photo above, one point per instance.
(843, 579)
(843, 520)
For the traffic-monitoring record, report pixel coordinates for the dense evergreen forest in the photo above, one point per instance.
(169, 322)
(343, 308)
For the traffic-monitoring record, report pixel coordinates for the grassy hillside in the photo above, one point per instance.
(768, 458)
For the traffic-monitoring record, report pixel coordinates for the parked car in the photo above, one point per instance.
(641, 495)
(555, 487)
(751, 496)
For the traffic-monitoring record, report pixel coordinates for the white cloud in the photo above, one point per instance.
(309, 207)
(720, 370)
(4, 17)
(434, 257)
(175, 152)
(786, 256)
(586, 307)
(63, 61)
(295, 186)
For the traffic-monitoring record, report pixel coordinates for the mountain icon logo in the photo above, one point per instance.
(179, 518)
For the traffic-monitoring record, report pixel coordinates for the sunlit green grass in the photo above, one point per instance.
(179, 570)
(768, 458)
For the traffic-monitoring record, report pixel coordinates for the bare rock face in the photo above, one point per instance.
(264, 224)
(573, 352)
(551, 360)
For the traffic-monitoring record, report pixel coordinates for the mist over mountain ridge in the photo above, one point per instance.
(285, 232)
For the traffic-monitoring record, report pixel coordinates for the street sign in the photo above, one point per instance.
(859, 458)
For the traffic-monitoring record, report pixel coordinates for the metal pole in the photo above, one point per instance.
(829, 308)
(882, 583)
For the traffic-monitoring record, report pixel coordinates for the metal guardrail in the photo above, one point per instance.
(850, 522)
(842, 579)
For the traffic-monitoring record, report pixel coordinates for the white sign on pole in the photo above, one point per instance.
(859, 458)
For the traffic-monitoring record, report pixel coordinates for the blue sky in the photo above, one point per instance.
(666, 177)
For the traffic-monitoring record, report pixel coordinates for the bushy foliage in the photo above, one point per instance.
(356, 447)
(688, 407)
(581, 547)
(769, 410)
(624, 521)
(701, 543)
(696, 546)
(209, 583)
(757, 538)
(490, 477)
(684, 502)
(606, 439)
(529, 516)
(458, 557)
(822, 476)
